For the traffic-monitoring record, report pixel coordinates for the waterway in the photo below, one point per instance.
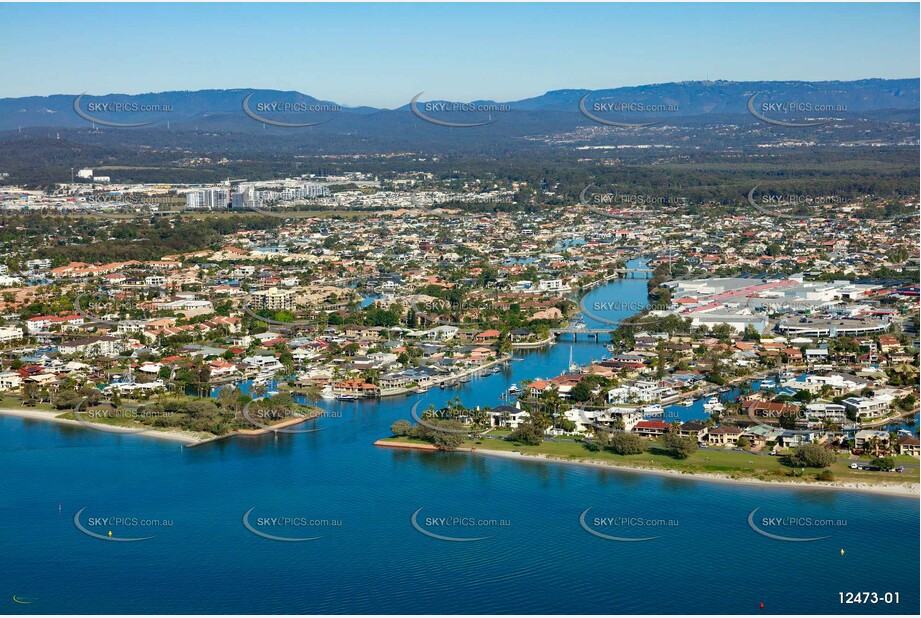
(534, 555)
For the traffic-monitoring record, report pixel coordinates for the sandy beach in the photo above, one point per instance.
(52, 417)
(904, 490)
(188, 438)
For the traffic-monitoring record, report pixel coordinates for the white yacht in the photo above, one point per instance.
(327, 392)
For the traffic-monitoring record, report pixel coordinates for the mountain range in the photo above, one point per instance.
(555, 110)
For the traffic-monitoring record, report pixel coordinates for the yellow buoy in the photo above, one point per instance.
(842, 552)
(110, 533)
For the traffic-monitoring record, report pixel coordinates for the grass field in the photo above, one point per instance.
(735, 464)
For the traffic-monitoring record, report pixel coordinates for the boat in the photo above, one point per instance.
(713, 405)
(687, 403)
(573, 367)
(422, 389)
(345, 397)
(724, 389)
(654, 410)
(464, 379)
(327, 392)
(495, 370)
(513, 389)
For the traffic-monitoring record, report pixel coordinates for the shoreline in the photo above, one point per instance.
(40, 415)
(907, 490)
(185, 438)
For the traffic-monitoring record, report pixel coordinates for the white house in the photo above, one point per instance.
(869, 407)
(10, 334)
(10, 381)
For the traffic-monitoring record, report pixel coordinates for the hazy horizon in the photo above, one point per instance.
(374, 54)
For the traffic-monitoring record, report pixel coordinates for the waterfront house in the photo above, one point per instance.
(761, 435)
(724, 436)
(521, 335)
(869, 407)
(768, 409)
(651, 428)
(356, 387)
(693, 429)
(792, 439)
(871, 438)
(487, 336)
(909, 445)
(10, 381)
(826, 410)
(91, 346)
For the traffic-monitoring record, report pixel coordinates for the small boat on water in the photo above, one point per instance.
(494, 370)
(713, 405)
(654, 410)
(422, 389)
(724, 389)
(464, 380)
(687, 403)
(513, 389)
(345, 397)
(327, 392)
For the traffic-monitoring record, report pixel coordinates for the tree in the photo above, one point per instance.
(527, 433)
(813, 456)
(401, 428)
(681, 446)
(444, 440)
(601, 440)
(581, 392)
(627, 444)
(884, 463)
(751, 333)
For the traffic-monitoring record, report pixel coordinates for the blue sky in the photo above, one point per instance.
(383, 54)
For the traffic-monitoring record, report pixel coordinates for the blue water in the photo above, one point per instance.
(543, 561)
